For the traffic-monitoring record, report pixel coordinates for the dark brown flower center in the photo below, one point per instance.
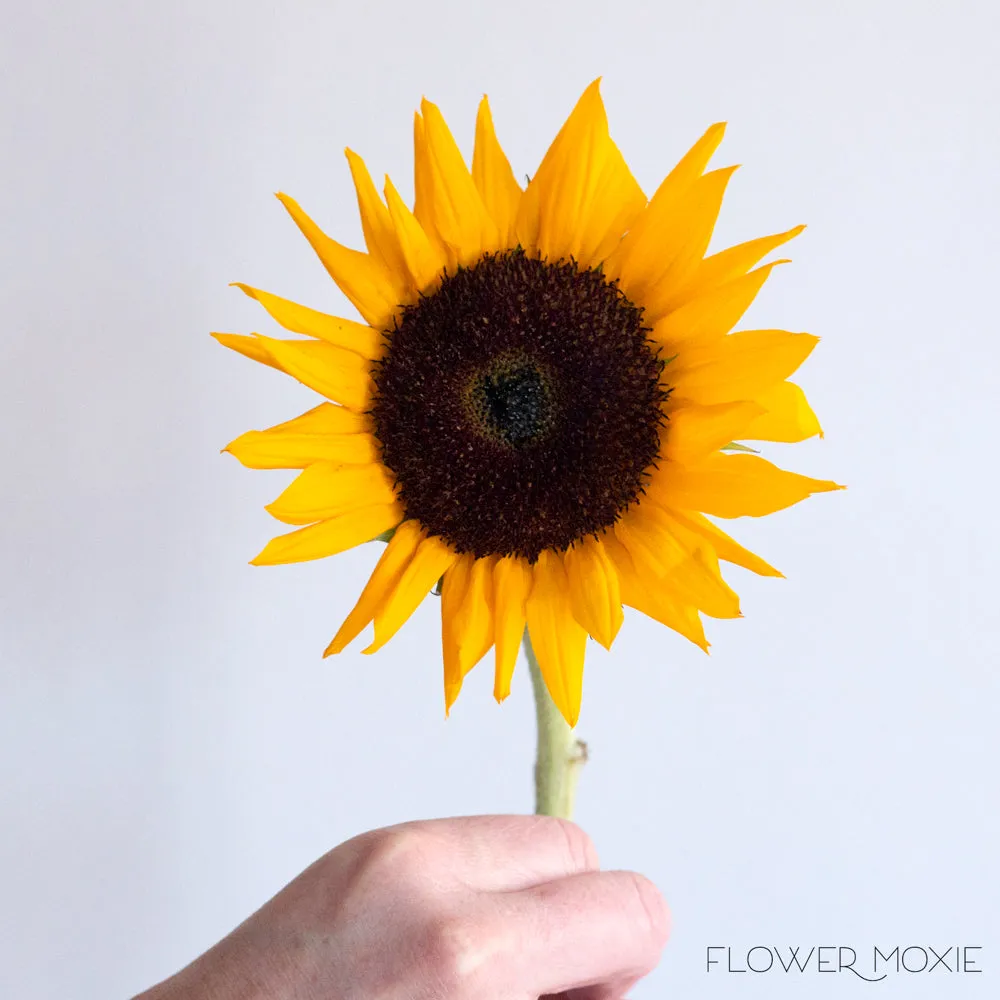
(519, 406)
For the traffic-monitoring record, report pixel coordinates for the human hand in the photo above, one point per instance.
(481, 908)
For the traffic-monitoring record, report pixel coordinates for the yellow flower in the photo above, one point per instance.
(539, 404)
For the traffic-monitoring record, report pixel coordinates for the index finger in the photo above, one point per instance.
(587, 930)
(507, 853)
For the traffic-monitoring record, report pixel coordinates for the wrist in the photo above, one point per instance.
(226, 972)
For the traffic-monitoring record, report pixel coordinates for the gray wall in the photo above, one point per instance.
(172, 747)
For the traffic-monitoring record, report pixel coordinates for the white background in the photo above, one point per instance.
(172, 747)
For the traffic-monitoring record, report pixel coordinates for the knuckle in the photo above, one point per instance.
(456, 953)
(395, 852)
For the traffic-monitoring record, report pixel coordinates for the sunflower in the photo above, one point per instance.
(541, 405)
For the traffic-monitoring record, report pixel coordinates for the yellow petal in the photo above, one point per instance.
(693, 431)
(664, 256)
(428, 565)
(340, 375)
(650, 547)
(475, 631)
(593, 590)
(651, 596)
(423, 182)
(283, 450)
(461, 219)
(787, 417)
(494, 178)
(326, 432)
(726, 547)
(713, 315)
(692, 164)
(327, 418)
(249, 347)
(558, 640)
(583, 196)
(512, 583)
(454, 586)
(380, 234)
(709, 543)
(343, 333)
(659, 218)
(396, 557)
(733, 262)
(329, 489)
(695, 222)
(686, 565)
(466, 619)
(361, 277)
(740, 366)
(733, 486)
(330, 537)
(423, 260)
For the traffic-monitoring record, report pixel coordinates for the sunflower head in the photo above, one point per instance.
(541, 405)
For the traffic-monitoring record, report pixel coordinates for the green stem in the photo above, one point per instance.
(560, 753)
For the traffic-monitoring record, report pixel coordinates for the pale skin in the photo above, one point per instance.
(481, 908)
